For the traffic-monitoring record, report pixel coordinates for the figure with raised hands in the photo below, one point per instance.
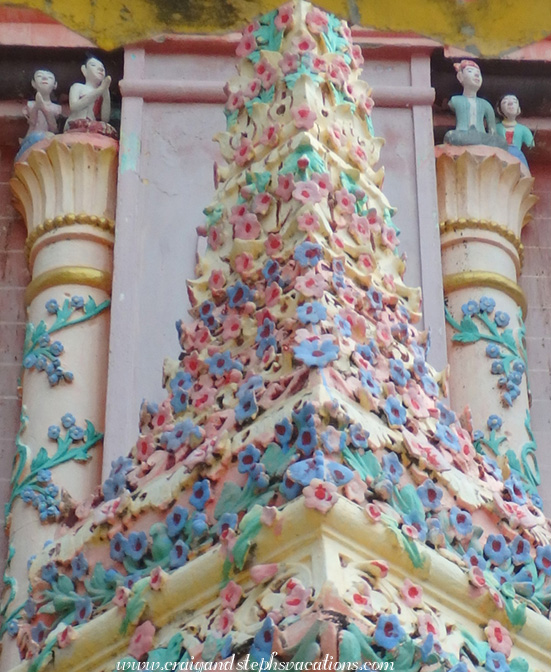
(516, 135)
(41, 113)
(475, 118)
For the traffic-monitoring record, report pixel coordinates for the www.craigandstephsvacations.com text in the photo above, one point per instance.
(328, 663)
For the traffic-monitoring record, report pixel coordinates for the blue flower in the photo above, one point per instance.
(117, 546)
(43, 476)
(447, 417)
(68, 420)
(496, 662)
(369, 351)
(375, 298)
(76, 433)
(429, 385)
(419, 367)
(222, 362)
(515, 377)
(316, 351)
(416, 519)
(358, 436)
(473, 559)
(487, 304)
(29, 361)
(307, 439)
(38, 633)
(426, 647)
(182, 431)
(461, 520)
(513, 391)
(516, 489)
(304, 416)
(501, 576)
(56, 348)
(205, 310)
(178, 554)
(308, 254)
(246, 408)
(447, 437)
(12, 628)
(493, 467)
(176, 520)
(494, 422)
(248, 458)
(30, 608)
(520, 550)
(389, 633)
(343, 326)
(263, 642)
(289, 488)
(271, 271)
(283, 432)
(398, 372)
(470, 308)
(228, 521)
(536, 500)
(112, 488)
(523, 582)
(179, 401)
(459, 667)
(44, 340)
(259, 476)
(52, 306)
(492, 350)
(135, 546)
(130, 580)
(49, 572)
(265, 338)
(83, 608)
(79, 565)
(392, 467)
(200, 494)
(77, 302)
(311, 313)
(430, 494)
(519, 366)
(238, 294)
(496, 549)
(501, 318)
(543, 559)
(370, 383)
(497, 368)
(181, 381)
(395, 412)
(199, 523)
(251, 384)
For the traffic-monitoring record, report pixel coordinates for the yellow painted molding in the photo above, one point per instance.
(481, 26)
(68, 275)
(451, 225)
(456, 281)
(69, 219)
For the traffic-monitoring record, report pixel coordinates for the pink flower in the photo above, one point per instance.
(357, 56)
(270, 137)
(215, 237)
(312, 284)
(145, 447)
(336, 138)
(251, 28)
(230, 595)
(121, 596)
(389, 237)
(266, 72)
(201, 337)
(217, 280)
(304, 43)
(320, 495)
(426, 625)
(157, 578)
(324, 182)
(412, 594)
(273, 292)
(244, 263)
(316, 20)
(289, 63)
(66, 636)
(285, 186)
(410, 531)
(476, 577)
(356, 489)
(248, 228)
(383, 334)
(261, 203)
(273, 244)
(284, 18)
(142, 640)
(417, 401)
(244, 152)
(358, 156)
(308, 222)
(237, 213)
(163, 416)
(262, 573)
(235, 101)
(192, 363)
(253, 88)
(303, 116)
(246, 46)
(366, 262)
(345, 200)
(203, 394)
(297, 597)
(307, 192)
(499, 638)
(378, 568)
(224, 622)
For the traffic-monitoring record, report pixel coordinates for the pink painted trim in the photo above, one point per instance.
(170, 91)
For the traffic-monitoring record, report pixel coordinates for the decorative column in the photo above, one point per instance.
(65, 189)
(484, 195)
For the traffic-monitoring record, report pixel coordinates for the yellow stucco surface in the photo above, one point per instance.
(488, 27)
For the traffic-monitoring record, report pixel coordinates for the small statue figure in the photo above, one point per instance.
(41, 113)
(515, 134)
(90, 103)
(475, 118)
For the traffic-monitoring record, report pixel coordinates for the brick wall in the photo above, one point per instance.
(14, 277)
(536, 282)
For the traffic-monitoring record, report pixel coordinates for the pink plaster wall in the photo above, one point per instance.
(14, 277)
(536, 282)
(172, 106)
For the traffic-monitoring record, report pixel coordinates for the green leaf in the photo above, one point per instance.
(509, 340)
(477, 648)
(408, 500)
(404, 659)
(90, 306)
(349, 648)
(249, 527)
(366, 464)
(519, 665)
(368, 653)
(64, 584)
(276, 460)
(40, 459)
(47, 608)
(134, 609)
(167, 654)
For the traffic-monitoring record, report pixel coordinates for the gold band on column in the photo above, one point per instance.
(68, 275)
(466, 279)
(452, 225)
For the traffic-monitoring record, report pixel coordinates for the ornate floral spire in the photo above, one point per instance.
(303, 463)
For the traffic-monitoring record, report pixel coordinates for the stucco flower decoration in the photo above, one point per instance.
(320, 495)
(317, 351)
